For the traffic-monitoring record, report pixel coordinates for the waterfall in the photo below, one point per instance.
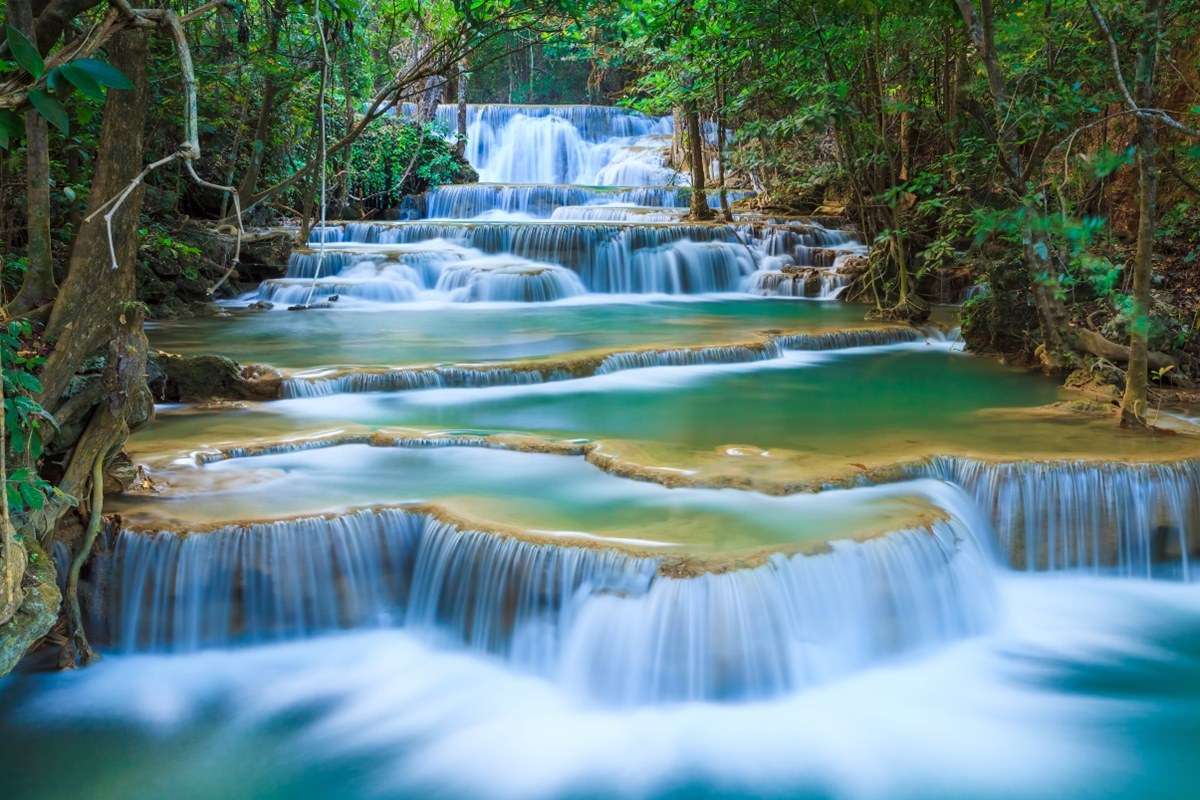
(794, 621)
(326, 383)
(435, 269)
(608, 257)
(687, 357)
(1080, 515)
(605, 621)
(564, 144)
(843, 340)
(819, 284)
(465, 201)
(407, 378)
(513, 282)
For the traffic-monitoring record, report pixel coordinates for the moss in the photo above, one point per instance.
(38, 611)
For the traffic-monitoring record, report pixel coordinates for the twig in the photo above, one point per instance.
(1115, 56)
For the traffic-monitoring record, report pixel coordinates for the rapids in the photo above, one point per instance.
(562, 495)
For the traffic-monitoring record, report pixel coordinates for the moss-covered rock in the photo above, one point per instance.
(185, 379)
(38, 610)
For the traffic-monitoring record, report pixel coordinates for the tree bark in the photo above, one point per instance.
(699, 209)
(1134, 398)
(460, 88)
(91, 303)
(272, 91)
(37, 286)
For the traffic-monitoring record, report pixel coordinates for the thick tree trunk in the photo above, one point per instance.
(37, 287)
(91, 304)
(699, 209)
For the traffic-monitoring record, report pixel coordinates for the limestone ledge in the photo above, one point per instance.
(672, 562)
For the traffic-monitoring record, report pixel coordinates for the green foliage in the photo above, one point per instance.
(49, 88)
(24, 419)
(382, 156)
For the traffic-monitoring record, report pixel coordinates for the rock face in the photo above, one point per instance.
(184, 379)
(37, 613)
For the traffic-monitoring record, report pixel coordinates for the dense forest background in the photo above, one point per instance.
(1040, 161)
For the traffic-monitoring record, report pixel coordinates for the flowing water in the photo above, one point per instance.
(564, 496)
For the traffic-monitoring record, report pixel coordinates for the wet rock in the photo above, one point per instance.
(1101, 381)
(184, 379)
(38, 610)
(120, 474)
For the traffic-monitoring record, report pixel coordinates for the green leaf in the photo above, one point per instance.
(32, 497)
(51, 109)
(25, 53)
(25, 381)
(102, 73)
(82, 81)
(11, 124)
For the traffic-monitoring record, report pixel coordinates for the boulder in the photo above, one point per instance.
(186, 379)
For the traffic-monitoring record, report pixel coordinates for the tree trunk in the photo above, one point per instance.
(258, 146)
(460, 146)
(699, 209)
(91, 304)
(1133, 400)
(37, 287)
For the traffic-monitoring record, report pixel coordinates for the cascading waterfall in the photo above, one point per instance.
(1127, 518)
(565, 144)
(407, 378)
(609, 258)
(794, 621)
(602, 620)
(466, 201)
(325, 383)
(448, 271)
(687, 357)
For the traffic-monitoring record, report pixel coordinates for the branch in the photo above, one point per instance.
(189, 149)
(1115, 56)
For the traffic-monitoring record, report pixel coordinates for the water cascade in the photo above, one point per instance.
(603, 621)
(540, 201)
(658, 530)
(1127, 518)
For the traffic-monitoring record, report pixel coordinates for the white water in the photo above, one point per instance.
(578, 200)
(1019, 713)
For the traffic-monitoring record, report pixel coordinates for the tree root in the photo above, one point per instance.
(83, 653)
(912, 310)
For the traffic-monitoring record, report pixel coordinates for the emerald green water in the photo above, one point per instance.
(433, 333)
(843, 404)
(559, 497)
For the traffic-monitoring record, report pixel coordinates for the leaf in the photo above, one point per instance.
(102, 73)
(25, 381)
(82, 81)
(25, 53)
(32, 497)
(51, 109)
